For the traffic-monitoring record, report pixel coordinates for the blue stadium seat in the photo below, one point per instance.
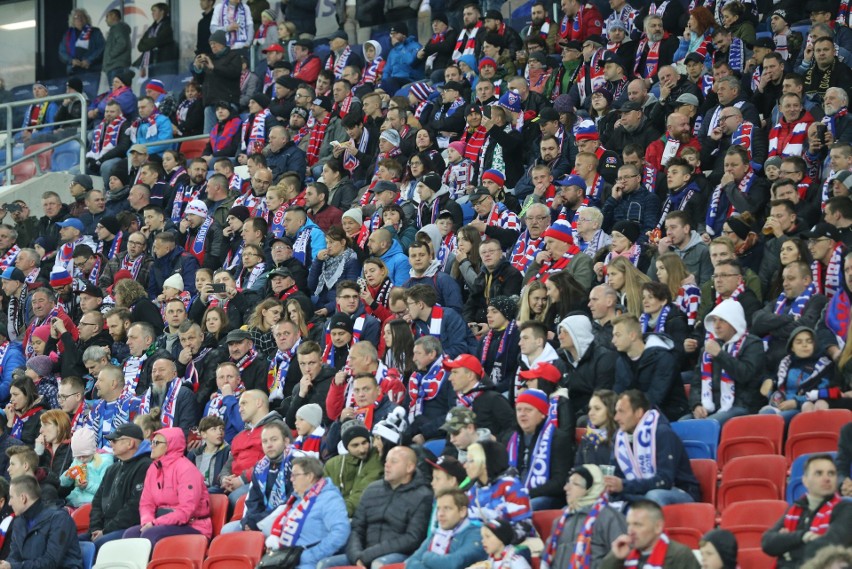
(700, 437)
(795, 487)
(322, 51)
(66, 157)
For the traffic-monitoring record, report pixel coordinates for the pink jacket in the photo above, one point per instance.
(175, 483)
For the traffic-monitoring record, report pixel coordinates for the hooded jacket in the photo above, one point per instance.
(427, 209)
(657, 374)
(397, 263)
(175, 493)
(746, 369)
(449, 293)
(316, 242)
(116, 503)
(352, 476)
(390, 520)
(595, 365)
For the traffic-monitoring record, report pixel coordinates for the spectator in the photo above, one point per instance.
(53, 444)
(86, 472)
(24, 410)
(719, 549)
(115, 406)
(211, 456)
(497, 539)
(166, 392)
(224, 403)
(82, 46)
(219, 75)
(353, 471)
(455, 542)
(118, 47)
(157, 46)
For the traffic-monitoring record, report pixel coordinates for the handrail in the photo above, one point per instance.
(10, 129)
(174, 140)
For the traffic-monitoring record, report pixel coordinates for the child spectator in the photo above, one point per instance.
(212, 455)
(460, 171)
(87, 470)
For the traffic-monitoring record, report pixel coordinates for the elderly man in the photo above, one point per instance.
(44, 310)
(429, 407)
(176, 402)
(29, 263)
(18, 310)
(363, 359)
(655, 49)
(561, 254)
(308, 238)
(284, 155)
(135, 259)
(284, 372)
(531, 240)
(115, 406)
(253, 366)
(115, 506)
(224, 402)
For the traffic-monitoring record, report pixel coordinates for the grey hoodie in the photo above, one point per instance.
(696, 257)
(580, 328)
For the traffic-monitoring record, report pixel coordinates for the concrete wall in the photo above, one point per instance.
(31, 190)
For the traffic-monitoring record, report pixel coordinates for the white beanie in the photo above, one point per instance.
(196, 207)
(84, 442)
(174, 281)
(311, 413)
(355, 214)
(731, 311)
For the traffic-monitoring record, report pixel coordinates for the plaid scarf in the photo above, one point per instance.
(788, 139)
(473, 142)
(466, 42)
(223, 133)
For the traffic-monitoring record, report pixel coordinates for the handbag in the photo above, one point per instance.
(284, 558)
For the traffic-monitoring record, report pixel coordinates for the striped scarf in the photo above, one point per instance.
(827, 280)
(736, 55)
(831, 120)
(335, 63)
(474, 141)
(106, 136)
(677, 199)
(350, 161)
(254, 133)
(466, 42)
(309, 445)
(652, 60)
(216, 407)
(373, 71)
(792, 143)
(289, 525)
(169, 403)
(595, 73)
(240, 17)
(75, 39)
(541, 453)
(657, 558)
(660, 325)
(822, 517)
(843, 14)
(196, 245)
(223, 133)
(626, 14)
(718, 202)
(581, 558)
(525, 250)
(688, 299)
(263, 30)
(727, 385)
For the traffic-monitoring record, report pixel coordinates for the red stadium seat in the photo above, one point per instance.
(760, 477)
(578, 434)
(818, 431)
(239, 508)
(750, 435)
(81, 518)
(180, 551)
(43, 158)
(705, 471)
(23, 171)
(543, 522)
(218, 512)
(754, 559)
(193, 148)
(235, 551)
(749, 520)
(394, 566)
(687, 523)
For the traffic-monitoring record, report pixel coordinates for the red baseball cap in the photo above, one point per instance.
(274, 47)
(542, 370)
(466, 361)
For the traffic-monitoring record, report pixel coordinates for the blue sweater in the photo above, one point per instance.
(465, 549)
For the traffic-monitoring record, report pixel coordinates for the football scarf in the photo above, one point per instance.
(279, 367)
(525, 250)
(254, 133)
(466, 43)
(335, 63)
(538, 469)
(837, 316)
(105, 137)
(720, 207)
(315, 141)
(8, 258)
(660, 325)
(652, 60)
(235, 15)
(223, 133)
(29, 351)
(310, 445)
(581, 558)
(279, 488)
(216, 407)
(246, 281)
(357, 329)
(822, 518)
(289, 525)
(792, 143)
(425, 386)
(132, 265)
(677, 200)
(736, 54)
(827, 280)
(831, 120)
(727, 385)
(195, 245)
(167, 415)
(637, 458)
(657, 558)
(77, 39)
(21, 420)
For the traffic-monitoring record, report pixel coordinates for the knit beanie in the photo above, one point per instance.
(495, 176)
(725, 544)
(502, 530)
(392, 427)
(41, 365)
(175, 281)
(311, 413)
(458, 146)
(535, 398)
(84, 442)
(629, 229)
(352, 430)
(42, 332)
(496, 458)
(506, 306)
(355, 215)
(739, 226)
(111, 224)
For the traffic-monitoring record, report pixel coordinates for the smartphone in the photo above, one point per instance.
(217, 288)
(487, 112)
(821, 130)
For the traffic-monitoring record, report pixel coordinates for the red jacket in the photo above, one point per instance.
(327, 217)
(308, 70)
(590, 23)
(247, 450)
(654, 153)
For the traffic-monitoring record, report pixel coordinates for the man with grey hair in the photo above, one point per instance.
(729, 91)
(430, 382)
(733, 129)
(29, 262)
(176, 402)
(654, 41)
(282, 155)
(839, 126)
(603, 304)
(9, 248)
(531, 240)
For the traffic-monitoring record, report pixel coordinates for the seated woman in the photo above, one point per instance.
(53, 445)
(337, 262)
(24, 410)
(587, 526)
(625, 243)
(534, 302)
(627, 281)
(263, 318)
(596, 445)
(174, 499)
(376, 295)
(660, 315)
(684, 292)
(252, 275)
(40, 369)
(87, 470)
(189, 115)
(313, 517)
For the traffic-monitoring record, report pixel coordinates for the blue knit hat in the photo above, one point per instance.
(510, 100)
(421, 90)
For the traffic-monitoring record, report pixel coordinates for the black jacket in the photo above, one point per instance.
(316, 394)
(177, 261)
(506, 280)
(766, 322)
(303, 13)
(256, 374)
(223, 82)
(47, 226)
(561, 461)
(206, 369)
(116, 503)
(443, 50)
(45, 537)
(788, 546)
(595, 370)
(390, 520)
(747, 371)
(493, 412)
(657, 374)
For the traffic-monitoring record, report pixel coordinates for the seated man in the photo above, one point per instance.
(463, 431)
(817, 519)
(647, 544)
(363, 359)
(664, 477)
(561, 254)
(254, 367)
(354, 471)
(430, 318)
(224, 403)
(45, 535)
(176, 402)
(369, 405)
(492, 410)
(429, 389)
(382, 535)
(115, 407)
(727, 382)
(456, 543)
(648, 364)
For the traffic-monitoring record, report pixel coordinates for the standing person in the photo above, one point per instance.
(233, 17)
(82, 46)
(219, 75)
(117, 49)
(159, 51)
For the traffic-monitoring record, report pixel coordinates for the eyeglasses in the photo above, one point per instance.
(80, 265)
(725, 275)
(61, 397)
(297, 474)
(817, 240)
(137, 243)
(625, 178)
(156, 443)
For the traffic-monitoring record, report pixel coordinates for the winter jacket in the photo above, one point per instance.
(12, 360)
(390, 520)
(91, 54)
(493, 412)
(677, 555)
(317, 393)
(162, 46)
(465, 549)
(594, 369)
(47, 226)
(505, 280)
(290, 158)
(397, 263)
(146, 135)
(56, 462)
(746, 369)
(95, 471)
(428, 422)
(561, 461)
(402, 60)
(695, 255)
(206, 369)
(316, 242)
(325, 530)
(426, 210)
(223, 82)
(456, 337)
(789, 548)
(246, 449)
(609, 524)
(173, 483)
(500, 371)
(449, 293)
(640, 206)
(116, 503)
(673, 467)
(177, 261)
(352, 476)
(214, 467)
(230, 414)
(44, 537)
(656, 374)
(117, 48)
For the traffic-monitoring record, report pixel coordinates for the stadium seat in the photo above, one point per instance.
(795, 487)
(87, 548)
(124, 553)
(436, 446)
(193, 148)
(66, 157)
(235, 551)
(543, 522)
(43, 158)
(239, 508)
(218, 512)
(578, 434)
(179, 552)
(687, 523)
(749, 520)
(818, 431)
(81, 517)
(23, 171)
(395, 566)
(759, 477)
(754, 559)
(705, 471)
(750, 435)
(700, 438)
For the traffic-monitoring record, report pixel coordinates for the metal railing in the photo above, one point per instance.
(171, 141)
(10, 131)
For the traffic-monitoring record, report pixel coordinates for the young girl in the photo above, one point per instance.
(596, 445)
(497, 538)
(173, 287)
(460, 171)
(87, 470)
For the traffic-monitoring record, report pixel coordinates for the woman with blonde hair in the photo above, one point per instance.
(131, 295)
(294, 312)
(535, 302)
(263, 318)
(671, 271)
(627, 281)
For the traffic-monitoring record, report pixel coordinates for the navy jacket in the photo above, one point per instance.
(456, 337)
(45, 537)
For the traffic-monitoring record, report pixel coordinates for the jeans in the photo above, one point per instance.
(720, 417)
(786, 415)
(107, 537)
(234, 496)
(209, 118)
(156, 533)
(668, 497)
(342, 560)
(232, 527)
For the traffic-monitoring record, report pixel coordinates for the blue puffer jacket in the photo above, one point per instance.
(465, 549)
(401, 60)
(317, 239)
(145, 134)
(397, 263)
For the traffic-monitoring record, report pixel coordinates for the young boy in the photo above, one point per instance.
(309, 430)
(214, 452)
(460, 172)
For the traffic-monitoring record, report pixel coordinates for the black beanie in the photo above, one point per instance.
(725, 544)
(496, 458)
(629, 229)
(739, 226)
(352, 430)
(502, 530)
(506, 306)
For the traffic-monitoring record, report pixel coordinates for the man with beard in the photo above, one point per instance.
(677, 137)
(358, 468)
(469, 41)
(196, 190)
(494, 24)
(197, 360)
(838, 128)
(541, 26)
(176, 402)
(633, 127)
(655, 49)
(118, 323)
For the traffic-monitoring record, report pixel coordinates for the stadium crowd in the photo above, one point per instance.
(444, 259)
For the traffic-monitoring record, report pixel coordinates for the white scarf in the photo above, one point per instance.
(637, 458)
